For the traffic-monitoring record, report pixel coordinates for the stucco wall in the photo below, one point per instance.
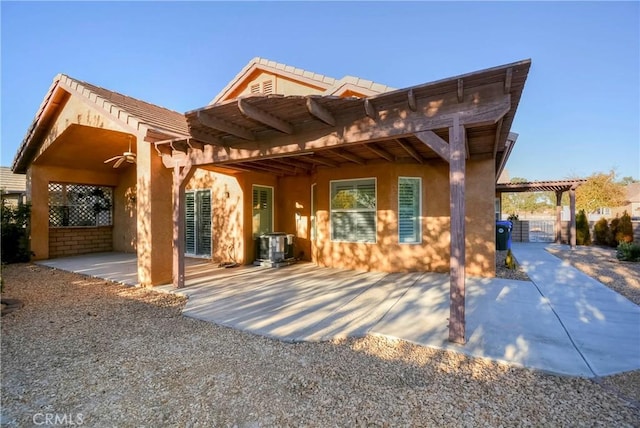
(281, 86)
(39, 177)
(387, 254)
(124, 212)
(227, 202)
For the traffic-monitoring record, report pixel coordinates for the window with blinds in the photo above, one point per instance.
(353, 210)
(198, 222)
(409, 210)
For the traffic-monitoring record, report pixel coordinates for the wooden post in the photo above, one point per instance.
(457, 215)
(180, 179)
(572, 208)
(558, 216)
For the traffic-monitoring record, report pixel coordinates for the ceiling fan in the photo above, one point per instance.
(127, 156)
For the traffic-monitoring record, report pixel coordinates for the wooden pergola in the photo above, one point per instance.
(456, 119)
(559, 188)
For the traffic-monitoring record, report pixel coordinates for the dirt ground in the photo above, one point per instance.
(106, 355)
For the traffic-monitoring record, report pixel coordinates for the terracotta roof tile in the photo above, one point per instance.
(154, 116)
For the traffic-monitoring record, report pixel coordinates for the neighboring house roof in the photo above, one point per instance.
(330, 85)
(127, 109)
(12, 183)
(633, 192)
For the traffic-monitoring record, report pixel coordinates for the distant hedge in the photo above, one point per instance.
(15, 241)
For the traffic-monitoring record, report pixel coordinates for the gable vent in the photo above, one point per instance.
(255, 89)
(267, 87)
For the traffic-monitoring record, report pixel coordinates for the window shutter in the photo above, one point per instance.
(353, 210)
(409, 210)
(190, 226)
(204, 222)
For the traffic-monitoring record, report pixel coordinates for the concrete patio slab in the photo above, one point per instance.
(561, 322)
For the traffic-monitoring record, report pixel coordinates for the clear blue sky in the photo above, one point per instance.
(580, 111)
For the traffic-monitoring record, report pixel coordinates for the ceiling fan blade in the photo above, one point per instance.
(118, 163)
(112, 159)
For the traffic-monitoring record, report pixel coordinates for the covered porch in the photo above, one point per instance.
(452, 134)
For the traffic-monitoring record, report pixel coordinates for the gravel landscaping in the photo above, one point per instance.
(102, 354)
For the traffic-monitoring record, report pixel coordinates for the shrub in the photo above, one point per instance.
(601, 232)
(614, 225)
(628, 251)
(513, 217)
(625, 229)
(15, 242)
(510, 261)
(583, 236)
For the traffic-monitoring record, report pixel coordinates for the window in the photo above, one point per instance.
(409, 210)
(79, 205)
(198, 223)
(353, 210)
(262, 210)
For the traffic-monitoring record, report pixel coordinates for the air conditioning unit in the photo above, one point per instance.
(275, 249)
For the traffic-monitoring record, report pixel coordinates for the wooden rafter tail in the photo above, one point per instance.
(411, 99)
(264, 117)
(460, 90)
(370, 109)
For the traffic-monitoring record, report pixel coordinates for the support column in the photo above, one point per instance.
(457, 215)
(181, 177)
(572, 208)
(558, 216)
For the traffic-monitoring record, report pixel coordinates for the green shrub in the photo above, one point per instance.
(583, 236)
(628, 252)
(15, 241)
(625, 229)
(614, 225)
(601, 232)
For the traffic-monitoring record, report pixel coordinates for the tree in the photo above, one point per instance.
(600, 190)
(628, 180)
(583, 236)
(526, 202)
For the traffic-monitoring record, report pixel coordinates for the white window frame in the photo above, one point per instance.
(375, 210)
(418, 217)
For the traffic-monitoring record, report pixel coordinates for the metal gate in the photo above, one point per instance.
(541, 230)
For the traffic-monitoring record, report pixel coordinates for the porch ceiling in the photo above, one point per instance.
(86, 146)
(384, 125)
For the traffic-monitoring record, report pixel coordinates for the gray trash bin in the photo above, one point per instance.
(503, 235)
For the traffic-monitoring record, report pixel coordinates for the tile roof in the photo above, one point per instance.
(154, 116)
(329, 83)
(10, 182)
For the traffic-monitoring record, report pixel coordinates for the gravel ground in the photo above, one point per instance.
(601, 263)
(105, 355)
(502, 271)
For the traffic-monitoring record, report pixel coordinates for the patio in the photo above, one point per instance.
(529, 324)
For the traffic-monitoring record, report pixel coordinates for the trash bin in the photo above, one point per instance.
(503, 235)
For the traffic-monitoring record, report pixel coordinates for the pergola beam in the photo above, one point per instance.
(222, 125)
(396, 123)
(410, 150)
(435, 143)
(349, 156)
(264, 117)
(380, 152)
(318, 111)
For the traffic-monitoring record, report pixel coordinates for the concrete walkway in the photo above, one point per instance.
(563, 322)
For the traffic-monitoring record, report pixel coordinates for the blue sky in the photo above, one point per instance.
(580, 111)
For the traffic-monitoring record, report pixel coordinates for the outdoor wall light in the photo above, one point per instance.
(226, 195)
